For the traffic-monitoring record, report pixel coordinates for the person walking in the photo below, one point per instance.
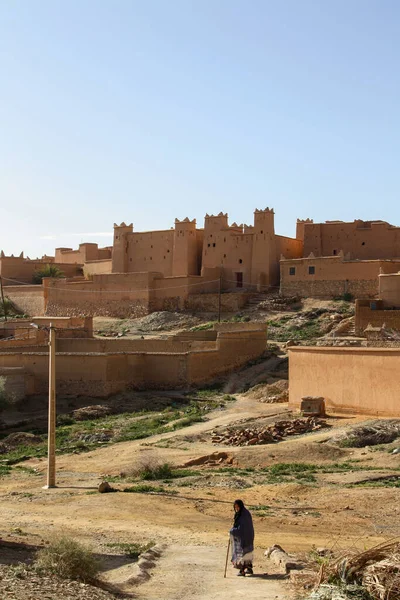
(242, 539)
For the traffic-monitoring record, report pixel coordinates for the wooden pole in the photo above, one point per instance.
(219, 294)
(2, 299)
(51, 453)
(227, 555)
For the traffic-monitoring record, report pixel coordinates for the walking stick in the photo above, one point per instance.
(227, 555)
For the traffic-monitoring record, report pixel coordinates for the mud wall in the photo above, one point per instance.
(352, 380)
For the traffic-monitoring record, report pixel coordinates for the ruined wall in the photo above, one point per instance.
(365, 240)
(29, 299)
(377, 318)
(332, 276)
(352, 380)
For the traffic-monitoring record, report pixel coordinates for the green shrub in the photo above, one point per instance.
(68, 559)
(4, 396)
(47, 271)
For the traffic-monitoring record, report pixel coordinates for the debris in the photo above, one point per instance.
(376, 570)
(267, 435)
(278, 555)
(373, 433)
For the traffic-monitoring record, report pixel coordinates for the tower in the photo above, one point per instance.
(185, 254)
(120, 247)
(265, 265)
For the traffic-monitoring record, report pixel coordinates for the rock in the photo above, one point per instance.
(324, 552)
(104, 487)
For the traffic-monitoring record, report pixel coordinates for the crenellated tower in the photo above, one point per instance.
(265, 269)
(120, 247)
(300, 226)
(185, 254)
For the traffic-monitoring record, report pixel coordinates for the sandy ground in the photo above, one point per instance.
(192, 525)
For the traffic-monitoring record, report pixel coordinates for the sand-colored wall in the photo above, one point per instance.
(137, 363)
(333, 276)
(21, 270)
(97, 267)
(353, 380)
(230, 302)
(86, 252)
(29, 299)
(364, 240)
(389, 289)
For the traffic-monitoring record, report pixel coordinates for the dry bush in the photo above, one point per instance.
(68, 559)
(149, 467)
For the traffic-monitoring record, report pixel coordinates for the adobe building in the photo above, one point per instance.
(341, 258)
(17, 270)
(248, 255)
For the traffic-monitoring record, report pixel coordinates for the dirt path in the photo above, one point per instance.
(197, 573)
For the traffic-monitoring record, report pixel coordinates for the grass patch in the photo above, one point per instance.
(68, 559)
(81, 436)
(4, 470)
(148, 489)
(131, 550)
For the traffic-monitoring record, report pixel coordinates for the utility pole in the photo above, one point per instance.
(2, 299)
(219, 294)
(51, 453)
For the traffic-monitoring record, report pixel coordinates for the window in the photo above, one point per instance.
(363, 244)
(240, 261)
(214, 245)
(311, 270)
(224, 255)
(208, 245)
(292, 270)
(334, 252)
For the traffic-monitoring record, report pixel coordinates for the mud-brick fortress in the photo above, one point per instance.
(186, 267)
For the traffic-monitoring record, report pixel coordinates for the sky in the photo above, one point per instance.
(145, 111)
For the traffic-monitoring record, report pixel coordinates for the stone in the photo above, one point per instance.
(104, 487)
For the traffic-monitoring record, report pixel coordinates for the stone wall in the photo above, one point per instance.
(230, 302)
(330, 289)
(352, 380)
(29, 299)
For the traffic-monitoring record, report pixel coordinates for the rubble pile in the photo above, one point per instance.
(279, 303)
(270, 434)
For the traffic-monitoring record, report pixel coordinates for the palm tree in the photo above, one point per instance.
(47, 271)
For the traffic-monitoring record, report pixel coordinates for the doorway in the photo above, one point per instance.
(239, 280)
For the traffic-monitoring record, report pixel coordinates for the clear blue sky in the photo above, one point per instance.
(147, 110)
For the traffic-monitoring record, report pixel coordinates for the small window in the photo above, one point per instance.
(311, 270)
(208, 245)
(363, 244)
(240, 261)
(334, 252)
(224, 255)
(167, 250)
(262, 231)
(214, 245)
(292, 270)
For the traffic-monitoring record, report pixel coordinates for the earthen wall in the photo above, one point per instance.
(365, 240)
(352, 380)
